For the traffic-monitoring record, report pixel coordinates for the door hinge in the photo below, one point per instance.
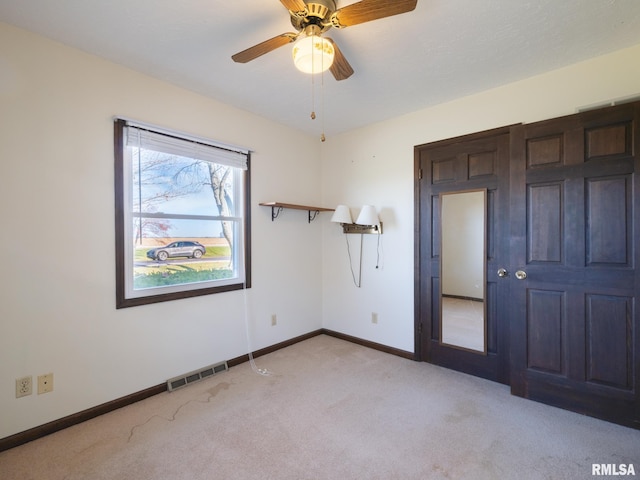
(419, 174)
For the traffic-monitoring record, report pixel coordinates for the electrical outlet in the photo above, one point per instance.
(374, 317)
(274, 320)
(23, 386)
(45, 383)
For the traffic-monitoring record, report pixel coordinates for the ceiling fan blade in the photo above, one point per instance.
(267, 46)
(368, 10)
(340, 68)
(293, 5)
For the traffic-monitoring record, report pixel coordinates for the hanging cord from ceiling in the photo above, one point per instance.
(313, 85)
(322, 137)
(313, 91)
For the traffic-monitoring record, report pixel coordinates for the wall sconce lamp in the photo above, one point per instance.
(366, 223)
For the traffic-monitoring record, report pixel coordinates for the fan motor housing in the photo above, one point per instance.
(317, 12)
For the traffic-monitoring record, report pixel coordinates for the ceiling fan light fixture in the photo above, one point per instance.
(313, 54)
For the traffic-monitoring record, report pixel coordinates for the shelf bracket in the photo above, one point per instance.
(313, 214)
(275, 211)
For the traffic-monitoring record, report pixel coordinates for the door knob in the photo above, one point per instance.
(502, 272)
(521, 274)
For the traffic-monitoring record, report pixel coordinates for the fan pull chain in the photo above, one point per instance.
(313, 85)
(322, 137)
(313, 93)
(313, 98)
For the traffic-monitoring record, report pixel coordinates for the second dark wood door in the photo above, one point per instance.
(574, 321)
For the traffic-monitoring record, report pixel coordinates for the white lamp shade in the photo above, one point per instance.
(313, 54)
(342, 215)
(368, 216)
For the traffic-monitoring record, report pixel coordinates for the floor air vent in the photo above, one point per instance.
(187, 378)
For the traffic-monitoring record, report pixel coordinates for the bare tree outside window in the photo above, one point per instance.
(219, 178)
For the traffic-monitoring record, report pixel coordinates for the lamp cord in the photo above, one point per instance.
(353, 275)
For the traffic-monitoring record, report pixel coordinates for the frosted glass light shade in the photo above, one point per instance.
(342, 215)
(313, 54)
(368, 216)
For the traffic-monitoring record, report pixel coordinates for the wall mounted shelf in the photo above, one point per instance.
(276, 208)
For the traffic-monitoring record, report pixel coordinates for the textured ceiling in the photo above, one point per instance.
(442, 50)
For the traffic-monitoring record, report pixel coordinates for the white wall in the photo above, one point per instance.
(57, 301)
(374, 165)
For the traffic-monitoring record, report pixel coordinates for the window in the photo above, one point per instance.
(182, 216)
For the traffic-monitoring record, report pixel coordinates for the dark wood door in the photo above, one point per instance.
(479, 161)
(574, 320)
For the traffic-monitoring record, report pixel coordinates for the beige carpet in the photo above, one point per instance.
(330, 410)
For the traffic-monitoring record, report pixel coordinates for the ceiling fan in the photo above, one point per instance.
(312, 18)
